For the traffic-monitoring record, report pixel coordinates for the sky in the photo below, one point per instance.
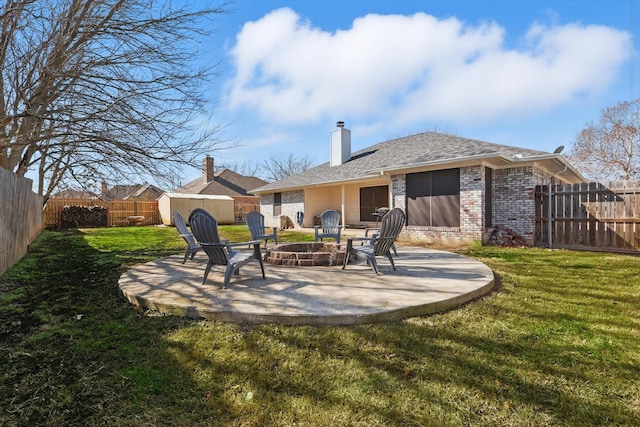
(528, 73)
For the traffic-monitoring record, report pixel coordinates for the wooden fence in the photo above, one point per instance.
(20, 217)
(593, 216)
(244, 205)
(119, 211)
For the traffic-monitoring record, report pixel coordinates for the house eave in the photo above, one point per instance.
(554, 164)
(317, 184)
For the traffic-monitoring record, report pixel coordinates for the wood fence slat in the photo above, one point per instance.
(589, 215)
(118, 210)
(567, 214)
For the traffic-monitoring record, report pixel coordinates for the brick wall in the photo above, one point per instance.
(513, 199)
(292, 203)
(398, 191)
(472, 201)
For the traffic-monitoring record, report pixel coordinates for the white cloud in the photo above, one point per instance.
(408, 69)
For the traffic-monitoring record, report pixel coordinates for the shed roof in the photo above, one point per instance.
(176, 195)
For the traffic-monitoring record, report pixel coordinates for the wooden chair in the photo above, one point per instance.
(330, 227)
(381, 244)
(181, 227)
(255, 222)
(220, 252)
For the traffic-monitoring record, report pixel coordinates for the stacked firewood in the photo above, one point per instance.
(83, 216)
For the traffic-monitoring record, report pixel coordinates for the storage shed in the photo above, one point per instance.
(221, 207)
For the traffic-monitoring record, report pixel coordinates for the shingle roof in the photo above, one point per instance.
(225, 183)
(74, 194)
(117, 192)
(396, 153)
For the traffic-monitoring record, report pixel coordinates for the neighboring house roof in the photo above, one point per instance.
(424, 151)
(75, 194)
(224, 183)
(120, 192)
(117, 192)
(133, 191)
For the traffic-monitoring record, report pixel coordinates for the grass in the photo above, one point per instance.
(557, 344)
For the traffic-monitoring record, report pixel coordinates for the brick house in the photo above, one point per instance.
(451, 188)
(226, 182)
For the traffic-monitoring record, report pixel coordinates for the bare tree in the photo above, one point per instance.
(273, 169)
(245, 167)
(610, 148)
(283, 166)
(92, 89)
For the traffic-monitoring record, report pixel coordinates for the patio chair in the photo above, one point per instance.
(221, 252)
(380, 245)
(181, 227)
(255, 222)
(375, 231)
(330, 227)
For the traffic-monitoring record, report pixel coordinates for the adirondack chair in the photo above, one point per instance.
(380, 245)
(181, 227)
(330, 227)
(221, 252)
(255, 222)
(374, 232)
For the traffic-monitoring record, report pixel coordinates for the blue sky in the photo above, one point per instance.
(525, 73)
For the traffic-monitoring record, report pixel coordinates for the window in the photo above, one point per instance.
(277, 204)
(433, 198)
(372, 198)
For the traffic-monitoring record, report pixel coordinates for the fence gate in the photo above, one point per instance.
(593, 216)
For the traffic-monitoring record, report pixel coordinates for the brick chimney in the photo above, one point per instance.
(105, 190)
(207, 169)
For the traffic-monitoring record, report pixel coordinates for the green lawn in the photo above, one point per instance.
(557, 344)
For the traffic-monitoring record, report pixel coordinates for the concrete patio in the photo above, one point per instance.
(427, 281)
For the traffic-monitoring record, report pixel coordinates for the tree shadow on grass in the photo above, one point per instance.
(74, 352)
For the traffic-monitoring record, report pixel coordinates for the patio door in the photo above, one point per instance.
(372, 198)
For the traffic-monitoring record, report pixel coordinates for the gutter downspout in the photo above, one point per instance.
(549, 224)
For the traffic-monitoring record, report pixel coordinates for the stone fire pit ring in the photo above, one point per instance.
(306, 254)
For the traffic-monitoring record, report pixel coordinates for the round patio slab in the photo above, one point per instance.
(427, 281)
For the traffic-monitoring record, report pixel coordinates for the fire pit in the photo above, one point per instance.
(306, 254)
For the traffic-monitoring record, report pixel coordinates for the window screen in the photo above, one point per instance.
(433, 198)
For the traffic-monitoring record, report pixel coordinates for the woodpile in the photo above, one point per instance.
(83, 216)
(506, 237)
